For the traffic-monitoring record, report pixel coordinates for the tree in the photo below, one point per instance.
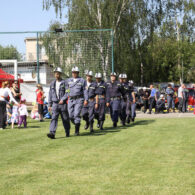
(9, 52)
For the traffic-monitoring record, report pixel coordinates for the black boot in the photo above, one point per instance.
(98, 124)
(123, 123)
(77, 127)
(91, 127)
(86, 125)
(115, 124)
(128, 120)
(101, 125)
(51, 136)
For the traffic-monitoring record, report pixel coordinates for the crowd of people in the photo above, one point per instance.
(77, 97)
(88, 98)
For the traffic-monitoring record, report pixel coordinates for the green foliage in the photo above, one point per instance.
(156, 33)
(9, 52)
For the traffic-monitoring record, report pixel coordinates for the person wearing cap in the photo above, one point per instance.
(160, 105)
(170, 98)
(152, 98)
(127, 98)
(57, 102)
(132, 100)
(122, 113)
(78, 96)
(145, 96)
(100, 100)
(88, 110)
(113, 97)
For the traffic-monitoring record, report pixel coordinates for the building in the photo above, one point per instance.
(27, 69)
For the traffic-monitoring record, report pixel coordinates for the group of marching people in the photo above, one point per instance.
(76, 97)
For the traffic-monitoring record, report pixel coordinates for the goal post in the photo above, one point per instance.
(10, 64)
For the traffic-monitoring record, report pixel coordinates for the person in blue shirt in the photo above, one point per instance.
(152, 98)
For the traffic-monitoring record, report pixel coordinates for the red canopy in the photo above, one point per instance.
(5, 76)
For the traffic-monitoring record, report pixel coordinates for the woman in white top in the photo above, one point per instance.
(5, 92)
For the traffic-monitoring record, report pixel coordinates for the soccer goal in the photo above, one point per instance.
(8, 68)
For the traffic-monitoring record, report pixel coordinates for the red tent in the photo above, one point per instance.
(4, 76)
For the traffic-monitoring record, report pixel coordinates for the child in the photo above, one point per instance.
(15, 115)
(40, 99)
(23, 113)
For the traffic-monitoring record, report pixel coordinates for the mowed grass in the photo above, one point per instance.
(151, 156)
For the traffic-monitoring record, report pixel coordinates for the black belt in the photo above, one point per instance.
(101, 96)
(76, 97)
(91, 99)
(115, 98)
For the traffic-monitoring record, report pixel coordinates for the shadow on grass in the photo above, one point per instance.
(141, 122)
(107, 130)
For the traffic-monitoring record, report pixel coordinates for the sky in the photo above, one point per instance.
(23, 15)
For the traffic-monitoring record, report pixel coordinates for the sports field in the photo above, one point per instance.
(152, 156)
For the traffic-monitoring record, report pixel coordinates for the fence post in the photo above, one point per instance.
(38, 78)
(112, 39)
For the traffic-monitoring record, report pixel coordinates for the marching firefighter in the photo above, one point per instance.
(100, 100)
(78, 97)
(113, 97)
(57, 103)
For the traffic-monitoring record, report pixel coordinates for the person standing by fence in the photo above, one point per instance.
(40, 101)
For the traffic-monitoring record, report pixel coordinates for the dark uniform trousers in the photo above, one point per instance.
(75, 108)
(123, 109)
(114, 110)
(100, 112)
(152, 103)
(59, 109)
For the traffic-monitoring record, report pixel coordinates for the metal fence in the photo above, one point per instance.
(37, 53)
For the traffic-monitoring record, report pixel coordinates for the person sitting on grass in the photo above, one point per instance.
(160, 105)
(23, 113)
(15, 115)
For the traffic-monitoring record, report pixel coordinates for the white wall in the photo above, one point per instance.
(28, 91)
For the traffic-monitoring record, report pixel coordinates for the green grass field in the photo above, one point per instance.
(152, 156)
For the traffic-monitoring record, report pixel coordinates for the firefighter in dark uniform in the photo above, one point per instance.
(113, 97)
(91, 88)
(122, 113)
(57, 103)
(126, 91)
(132, 100)
(145, 97)
(78, 97)
(100, 100)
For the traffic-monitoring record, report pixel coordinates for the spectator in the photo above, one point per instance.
(185, 99)
(5, 92)
(145, 98)
(40, 101)
(160, 105)
(15, 115)
(152, 98)
(23, 114)
(194, 96)
(16, 91)
(180, 97)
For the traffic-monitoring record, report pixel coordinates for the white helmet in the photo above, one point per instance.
(161, 96)
(89, 73)
(98, 75)
(113, 74)
(58, 69)
(124, 76)
(120, 76)
(86, 72)
(131, 82)
(75, 69)
(144, 88)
